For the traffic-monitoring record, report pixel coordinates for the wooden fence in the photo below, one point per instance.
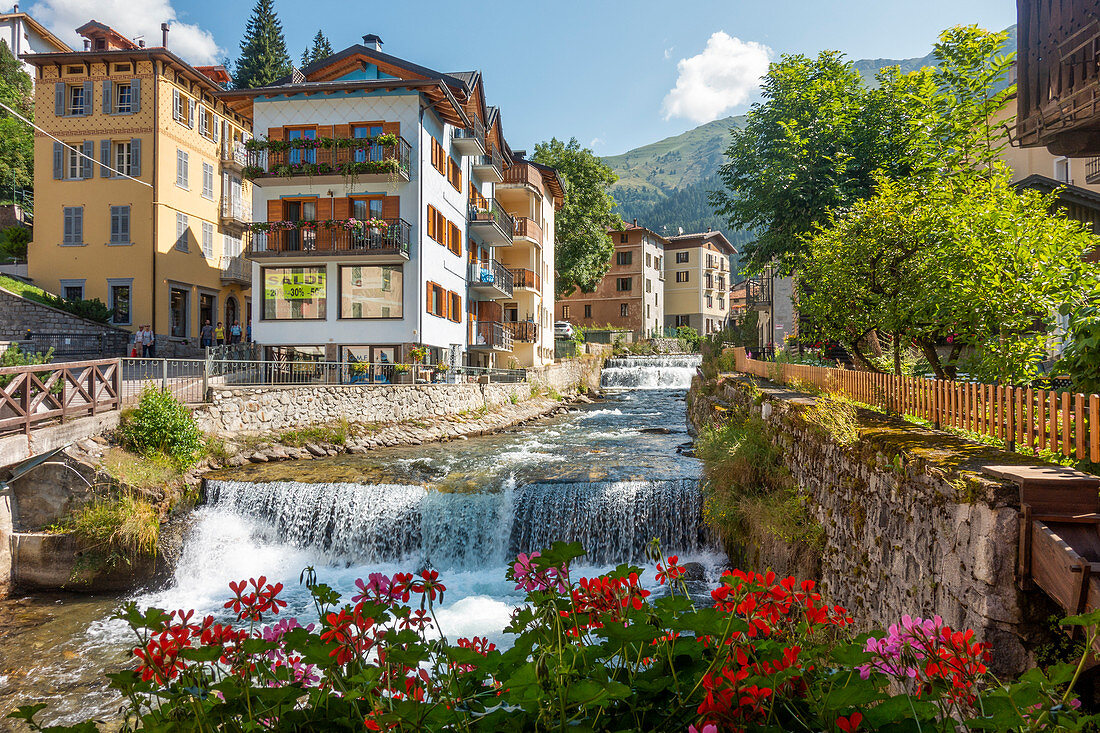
(39, 393)
(1058, 421)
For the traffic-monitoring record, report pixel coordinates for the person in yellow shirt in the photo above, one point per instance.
(219, 334)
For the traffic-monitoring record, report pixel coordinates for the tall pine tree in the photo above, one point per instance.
(263, 51)
(321, 49)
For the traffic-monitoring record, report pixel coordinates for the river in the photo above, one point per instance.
(606, 475)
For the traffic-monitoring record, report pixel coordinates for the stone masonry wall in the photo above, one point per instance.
(911, 524)
(567, 375)
(18, 315)
(271, 409)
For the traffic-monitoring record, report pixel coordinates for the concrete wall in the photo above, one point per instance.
(911, 524)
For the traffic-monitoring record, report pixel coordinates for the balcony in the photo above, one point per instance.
(393, 241)
(332, 161)
(528, 279)
(236, 269)
(469, 140)
(489, 167)
(528, 230)
(1092, 171)
(236, 211)
(491, 336)
(523, 175)
(526, 332)
(489, 222)
(491, 279)
(234, 154)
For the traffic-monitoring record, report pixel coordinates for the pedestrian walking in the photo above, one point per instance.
(206, 335)
(219, 334)
(148, 342)
(235, 332)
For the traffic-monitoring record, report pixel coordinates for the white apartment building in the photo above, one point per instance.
(362, 136)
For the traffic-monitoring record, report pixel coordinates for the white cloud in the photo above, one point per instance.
(130, 18)
(723, 76)
(668, 52)
(596, 141)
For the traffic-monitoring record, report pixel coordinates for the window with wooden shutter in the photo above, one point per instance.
(431, 222)
(454, 174)
(454, 239)
(455, 311)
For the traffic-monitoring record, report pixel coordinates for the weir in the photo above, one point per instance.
(650, 372)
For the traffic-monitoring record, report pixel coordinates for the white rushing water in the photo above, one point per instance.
(650, 372)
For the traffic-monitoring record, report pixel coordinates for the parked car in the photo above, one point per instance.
(563, 330)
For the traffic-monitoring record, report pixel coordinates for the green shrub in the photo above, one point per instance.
(162, 424)
(1081, 358)
(14, 356)
(689, 338)
(13, 243)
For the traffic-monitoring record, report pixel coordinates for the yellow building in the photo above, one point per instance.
(168, 255)
(698, 277)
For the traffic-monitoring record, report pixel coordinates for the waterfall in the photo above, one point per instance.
(650, 372)
(360, 524)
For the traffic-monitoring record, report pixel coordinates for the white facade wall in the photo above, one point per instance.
(653, 284)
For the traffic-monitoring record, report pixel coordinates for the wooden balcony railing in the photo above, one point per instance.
(528, 228)
(393, 240)
(41, 393)
(524, 175)
(523, 278)
(524, 331)
(344, 157)
(491, 335)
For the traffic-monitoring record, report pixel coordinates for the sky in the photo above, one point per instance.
(613, 74)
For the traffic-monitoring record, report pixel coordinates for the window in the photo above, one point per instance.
(623, 237)
(682, 257)
(710, 301)
(208, 240)
(565, 311)
(120, 225)
(294, 293)
(72, 289)
(182, 108)
(367, 131)
(454, 239)
(660, 262)
(588, 311)
(181, 168)
(123, 102)
(624, 310)
(456, 307)
(682, 276)
(648, 285)
(454, 174)
(75, 101)
(181, 231)
(439, 157)
(73, 227)
(648, 260)
(118, 301)
(437, 300)
(204, 123)
(623, 283)
(123, 157)
(624, 258)
(179, 300)
(721, 304)
(683, 321)
(74, 163)
(437, 227)
(208, 181)
(710, 281)
(372, 291)
(299, 155)
(1061, 170)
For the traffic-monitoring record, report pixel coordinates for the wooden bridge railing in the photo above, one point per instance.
(37, 393)
(1059, 421)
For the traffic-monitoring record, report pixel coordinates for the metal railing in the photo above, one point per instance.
(237, 209)
(489, 210)
(346, 156)
(528, 228)
(476, 131)
(492, 159)
(492, 273)
(234, 151)
(40, 393)
(1092, 171)
(107, 343)
(524, 278)
(236, 267)
(491, 335)
(394, 239)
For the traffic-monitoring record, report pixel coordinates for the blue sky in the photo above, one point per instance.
(602, 71)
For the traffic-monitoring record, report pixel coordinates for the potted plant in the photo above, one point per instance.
(419, 354)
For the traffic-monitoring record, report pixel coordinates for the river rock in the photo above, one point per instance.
(315, 449)
(694, 571)
(657, 431)
(258, 457)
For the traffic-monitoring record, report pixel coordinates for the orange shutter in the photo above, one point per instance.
(430, 291)
(341, 208)
(431, 222)
(446, 304)
(391, 207)
(275, 210)
(391, 128)
(341, 131)
(324, 208)
(275, 133)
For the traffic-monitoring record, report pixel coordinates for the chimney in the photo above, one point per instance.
(635, 221)
(16, 8)
(372, 42)
(164, 35)
(87, 44)
(141, 43)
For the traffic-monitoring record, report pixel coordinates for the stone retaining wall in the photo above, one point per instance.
(569, 375)
(911, 524)
(18, 315)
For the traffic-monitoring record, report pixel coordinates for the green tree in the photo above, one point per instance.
(582, 246)
(321, 49)
(820, 137)
(16, 138)
(967, 260)
(264, 56)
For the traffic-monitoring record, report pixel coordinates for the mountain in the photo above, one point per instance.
(663, 185)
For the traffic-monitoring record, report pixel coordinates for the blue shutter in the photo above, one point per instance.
(88, 148)
(78, 224)
(105, 159)
(135, 96)
(108, 97)
(135, 157)
(58, 161)
(59, 99)
(89, 97)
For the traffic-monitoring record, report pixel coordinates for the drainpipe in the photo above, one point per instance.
(156, 204)
(419, 206)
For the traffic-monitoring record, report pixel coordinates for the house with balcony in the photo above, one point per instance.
(142, 200)
(698, 275)
(379, 228)
(631, 295)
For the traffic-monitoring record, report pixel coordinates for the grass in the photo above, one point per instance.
(121, 524)
(833, 417)
(154, 471)
(336, 433)
(23, 289)
(554, 395)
